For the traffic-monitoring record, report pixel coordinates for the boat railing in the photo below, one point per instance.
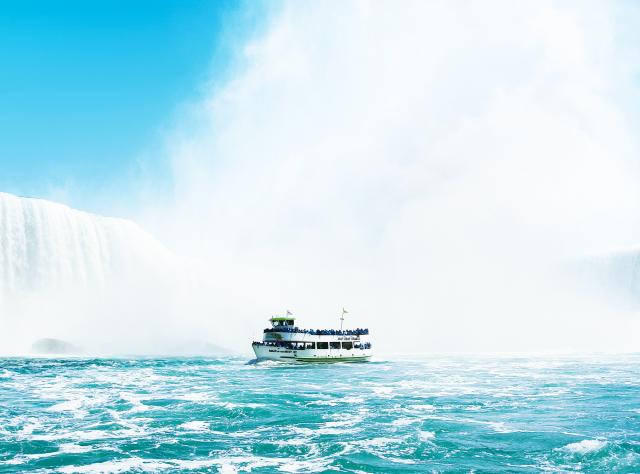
(321, 332)
(303, 345)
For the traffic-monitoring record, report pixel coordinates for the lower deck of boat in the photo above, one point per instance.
(322, 360)
(332, 359)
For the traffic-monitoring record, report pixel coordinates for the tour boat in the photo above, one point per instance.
(284, 341)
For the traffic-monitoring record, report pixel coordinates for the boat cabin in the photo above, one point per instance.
(282, 322)
(286, 342)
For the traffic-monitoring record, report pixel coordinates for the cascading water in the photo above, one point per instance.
(615, 273)
(44, 245)
(80, 277)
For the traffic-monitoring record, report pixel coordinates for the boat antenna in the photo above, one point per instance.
(344, 311)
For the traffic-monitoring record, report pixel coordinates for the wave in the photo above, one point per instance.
(586, 446)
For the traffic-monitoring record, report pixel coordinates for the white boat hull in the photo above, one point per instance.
(265, 352)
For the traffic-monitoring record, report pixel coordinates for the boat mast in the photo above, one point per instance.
(344, 311)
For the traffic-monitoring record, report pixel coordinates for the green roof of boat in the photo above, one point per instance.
(282, 318)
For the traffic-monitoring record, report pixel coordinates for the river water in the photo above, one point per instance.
(404, 414)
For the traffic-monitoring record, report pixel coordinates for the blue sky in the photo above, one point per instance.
(86, 88)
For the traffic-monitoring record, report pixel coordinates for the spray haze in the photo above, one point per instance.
(429, 166)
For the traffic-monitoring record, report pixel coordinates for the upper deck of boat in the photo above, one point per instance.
(284, 328)
(319, 332)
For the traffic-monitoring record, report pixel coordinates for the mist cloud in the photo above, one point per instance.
(425, 164)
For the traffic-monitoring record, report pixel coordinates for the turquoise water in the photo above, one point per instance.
(436, 414)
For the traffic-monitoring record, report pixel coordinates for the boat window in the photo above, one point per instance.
(311, 345)
(347, 345)
(322, 345)
(335, 345)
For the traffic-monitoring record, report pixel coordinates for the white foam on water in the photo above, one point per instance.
(195, 463)
(426, 435)
(28, 427)
(227, 469)
(235, 464)
(297, 441)
(266, 364)
(423, 407)
(253, 405)
(340, 423)
(195, 426)
(234, 406)
(329, 403)
(136, 401)
(69, 405)
(383, 391)
(227, 405)
(399, 460)
(352, 400)
(497, 426)
(224, 466)
(336, 424)
(405, 421)
(67, 448)
(6, 374)
(378, 442)
(196, 397)
(586, 446)
(323, 430)
(303, 466)
(500, 427)
(74, 406)
(85, 435)
(121, 465)
(25, 458)
(254, 433)
(94, 434)
(74, 448)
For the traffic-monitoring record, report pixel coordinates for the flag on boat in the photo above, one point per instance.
(344, 311)
(289, 313)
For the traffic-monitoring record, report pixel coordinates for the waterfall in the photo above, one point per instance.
(102, 283)
(45, 246)
(615, 273)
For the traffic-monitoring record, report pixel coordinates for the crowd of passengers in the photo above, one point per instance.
(321, 332)
(305, 345)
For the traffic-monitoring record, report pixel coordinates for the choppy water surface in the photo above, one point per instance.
(414, 415)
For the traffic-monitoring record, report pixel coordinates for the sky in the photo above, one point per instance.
(436, 163)
(88, 89)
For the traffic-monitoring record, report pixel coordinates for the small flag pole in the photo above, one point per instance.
(344, 311)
